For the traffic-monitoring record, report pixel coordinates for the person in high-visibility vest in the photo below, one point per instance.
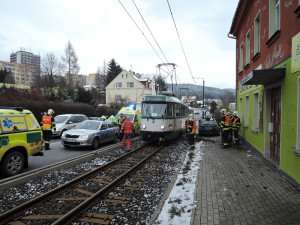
(191, 130)
(225, 125)
(48, 123)
(236, 127)
(127, 127)
(112, 118)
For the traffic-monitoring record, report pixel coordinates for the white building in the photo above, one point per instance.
(128, 88)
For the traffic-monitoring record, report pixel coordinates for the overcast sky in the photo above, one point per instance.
(100, 30)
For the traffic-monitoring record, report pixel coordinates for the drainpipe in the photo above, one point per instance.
(236, 70)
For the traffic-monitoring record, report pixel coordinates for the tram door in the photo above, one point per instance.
(275, 119)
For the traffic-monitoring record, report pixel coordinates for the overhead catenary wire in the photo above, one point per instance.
(150, 31)
(140, 30)
(181, 43)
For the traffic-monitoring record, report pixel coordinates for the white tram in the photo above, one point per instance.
(163, 117)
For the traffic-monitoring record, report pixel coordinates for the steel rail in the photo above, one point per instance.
(88, 203)
(6, 216)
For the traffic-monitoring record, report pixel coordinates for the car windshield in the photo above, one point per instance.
(61, 119)
(89, 125)
(128, 115)
(208, 123)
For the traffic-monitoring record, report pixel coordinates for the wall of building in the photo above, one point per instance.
(275, 52)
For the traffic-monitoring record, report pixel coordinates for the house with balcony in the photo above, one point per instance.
(128, 87)
(267, 35)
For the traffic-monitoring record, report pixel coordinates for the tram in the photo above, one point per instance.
(163, 117)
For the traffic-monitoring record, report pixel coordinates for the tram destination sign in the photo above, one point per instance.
(155, 98)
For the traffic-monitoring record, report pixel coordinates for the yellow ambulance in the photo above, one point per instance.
(134, 115)
(20, 137)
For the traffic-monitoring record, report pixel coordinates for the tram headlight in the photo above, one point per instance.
(144, 126)
(162, 127)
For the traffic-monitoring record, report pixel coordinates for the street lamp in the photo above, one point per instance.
(202, 94)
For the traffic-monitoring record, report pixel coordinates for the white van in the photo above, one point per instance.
(65, 122)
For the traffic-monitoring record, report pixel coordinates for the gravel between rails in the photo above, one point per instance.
(143, 202)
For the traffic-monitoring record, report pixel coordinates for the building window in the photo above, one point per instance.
(274, 20)
(246, 121)
(241, 109)
(130, 84)
(248, 48)
(118, 84)
(241, 58)
(257, 34)
(255, 114)
(117, 97)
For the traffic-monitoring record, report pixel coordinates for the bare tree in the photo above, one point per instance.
(50, 67)
(70, 63)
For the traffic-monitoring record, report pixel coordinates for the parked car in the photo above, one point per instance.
(91, 133)
(209, 127)
(66, 122)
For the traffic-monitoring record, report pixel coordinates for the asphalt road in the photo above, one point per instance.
(57, 154)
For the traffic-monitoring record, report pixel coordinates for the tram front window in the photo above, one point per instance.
(157, 110)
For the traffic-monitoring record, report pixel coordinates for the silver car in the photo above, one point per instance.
(66, 122)
(91, 133)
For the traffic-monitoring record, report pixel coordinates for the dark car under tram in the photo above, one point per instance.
(209, 127)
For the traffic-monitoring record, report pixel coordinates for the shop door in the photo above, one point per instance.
(275, 119)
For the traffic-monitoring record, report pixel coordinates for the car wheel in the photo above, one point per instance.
(95, 144)
(115, 138)
(12, 163)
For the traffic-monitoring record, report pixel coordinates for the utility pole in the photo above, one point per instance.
(203, 105)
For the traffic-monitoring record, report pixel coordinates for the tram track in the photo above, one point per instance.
(81, 189)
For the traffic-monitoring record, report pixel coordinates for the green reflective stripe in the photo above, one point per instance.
(33, 137)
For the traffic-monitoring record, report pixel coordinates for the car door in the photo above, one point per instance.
(104, 132)
(110, 131)
(71, 123)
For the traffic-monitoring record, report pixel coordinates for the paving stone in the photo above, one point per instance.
(234, 188)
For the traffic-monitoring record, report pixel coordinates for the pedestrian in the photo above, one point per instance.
(236, 127)
(103, 117)
(127, 127)
(48, 123)
(112, 118)
(190, 125)
(225, 127)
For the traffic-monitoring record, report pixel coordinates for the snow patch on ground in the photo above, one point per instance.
(178, 207)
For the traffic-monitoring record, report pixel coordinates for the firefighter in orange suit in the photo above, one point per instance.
(48, 123)
(191, 130)
(225, 125)
(128, 127)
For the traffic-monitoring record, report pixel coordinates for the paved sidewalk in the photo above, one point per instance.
(235, 186)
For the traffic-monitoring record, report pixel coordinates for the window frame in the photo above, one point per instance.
(241, 57)
(257, 27)
(246, 120)
(255, 112)
(128, 84)
(248, 38)
(117, 85)
(241, 109)
(274, 17)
